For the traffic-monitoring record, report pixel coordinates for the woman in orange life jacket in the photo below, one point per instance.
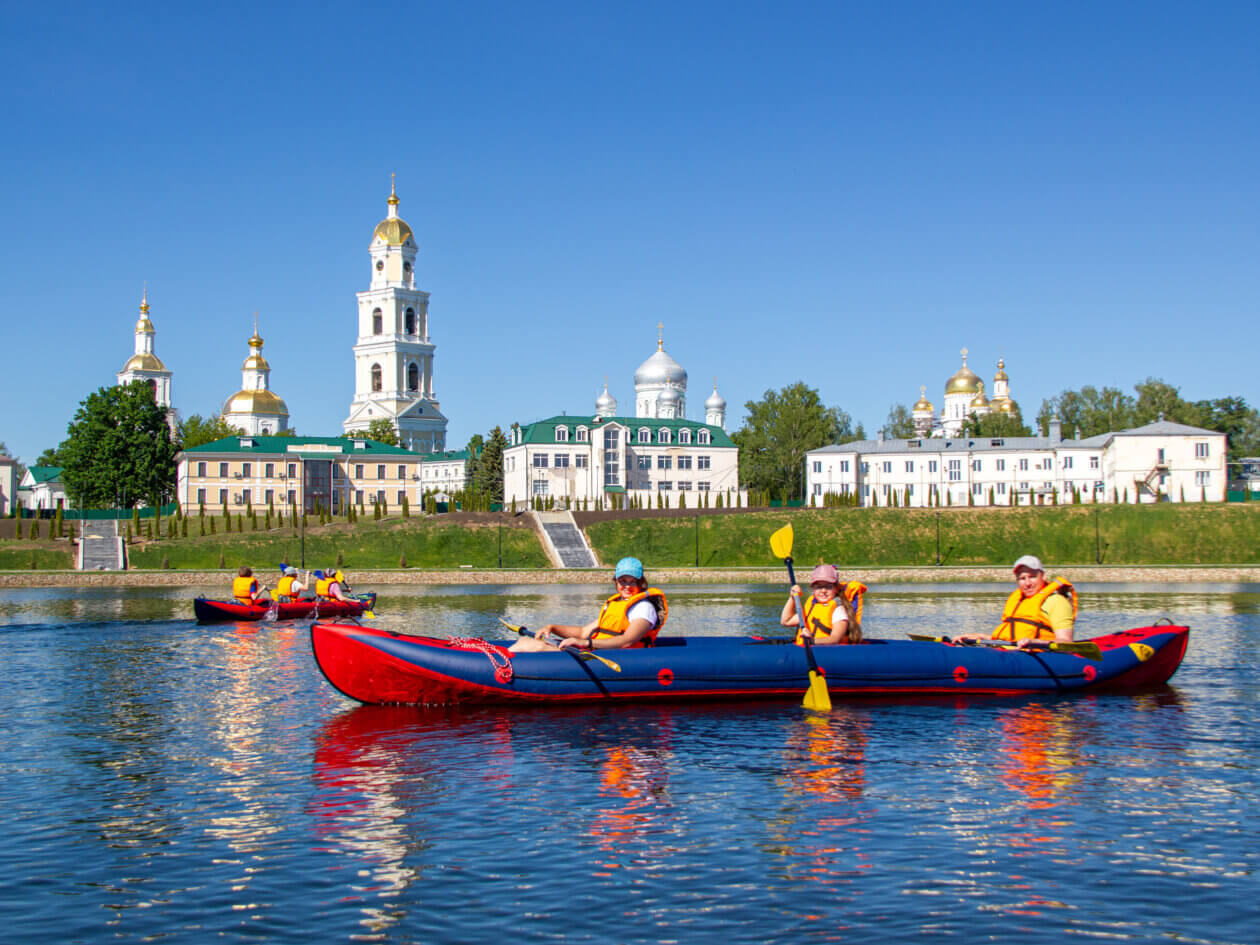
(289, 588)
(1037, 612)
(246, 589)
(630, 618)
(331, 585)
(833, 615)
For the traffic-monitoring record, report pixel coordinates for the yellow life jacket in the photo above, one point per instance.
(243, 589)
(284, 587)
(322, 585)
(819, 616)
(613, 620)
(1022, 617)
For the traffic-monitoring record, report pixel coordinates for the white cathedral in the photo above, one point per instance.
(964, 397)
(144, 365)
(393, 355)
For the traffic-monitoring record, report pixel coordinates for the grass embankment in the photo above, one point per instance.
(424, 542)
(1060, 535)
(48, 556)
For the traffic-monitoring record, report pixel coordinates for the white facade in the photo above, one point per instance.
(590, 457)
(255, 408)
(1159, 461)
(393, 353)
(8, 484)
(443, 472)
(41, 488)
(144, 365)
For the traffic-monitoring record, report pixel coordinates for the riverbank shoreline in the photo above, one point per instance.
(1112, 574)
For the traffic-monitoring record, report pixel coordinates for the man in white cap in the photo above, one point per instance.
(1038, 611)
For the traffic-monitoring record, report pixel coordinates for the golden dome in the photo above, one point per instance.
(1004, 405)
(1001, 371)
(144, 362)
(144, 326)
(255, 402)
(922, 403)
(980, 400)
(965, 381)
(393, 229)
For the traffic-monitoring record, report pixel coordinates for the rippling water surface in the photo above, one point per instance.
(174, 783)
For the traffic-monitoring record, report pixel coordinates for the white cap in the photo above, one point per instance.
(1031, 562)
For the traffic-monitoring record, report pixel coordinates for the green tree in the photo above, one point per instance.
(382, 430)
(50, 457)
(900, 423)
(489, 476)
(1089, 411)
(779, 430)
(996, 424)
(198, 430)
(118, 450)
(472, 464)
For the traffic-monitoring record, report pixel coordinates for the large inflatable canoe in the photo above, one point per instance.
(219, 611)
(382, 667)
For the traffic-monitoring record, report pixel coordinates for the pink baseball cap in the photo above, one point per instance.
(825, 572)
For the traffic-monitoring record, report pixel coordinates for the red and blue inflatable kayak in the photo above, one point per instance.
(219, 611)
(382, 667)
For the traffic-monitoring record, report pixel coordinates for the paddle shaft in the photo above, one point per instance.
(806, 634)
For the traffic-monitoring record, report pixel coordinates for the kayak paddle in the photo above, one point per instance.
(1083, 648)
(555, 641)
(816, 695)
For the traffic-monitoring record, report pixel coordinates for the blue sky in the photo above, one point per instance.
(844, 194)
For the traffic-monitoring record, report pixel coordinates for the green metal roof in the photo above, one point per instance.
(544, 431)
(281, 445)
(448, 456)
(42, 474)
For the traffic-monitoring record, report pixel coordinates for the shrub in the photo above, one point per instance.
(340, 560)
(212, 527)
(406, 511)
(166, 563)
(17, 528)
(34, 532)
(222, 563)
(402, 560)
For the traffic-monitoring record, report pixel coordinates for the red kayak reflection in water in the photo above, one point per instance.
(1040, 752)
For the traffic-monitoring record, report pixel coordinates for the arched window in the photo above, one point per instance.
(413, 377)
(582, 434)
(663, 436)
(378, 323)
(684, 436)
(562, 434)
(645, 435)
(409, 320)
(376, 377)
(702, 437)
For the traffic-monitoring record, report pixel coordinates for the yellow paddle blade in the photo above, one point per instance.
(816, 696)
(511, 626)
(781, 542)
(369, 615)
(588, 655)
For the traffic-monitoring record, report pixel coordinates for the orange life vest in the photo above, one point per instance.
(284, 587)
(1022, 617)
(818, 616)
(613, 619)
(244, 588)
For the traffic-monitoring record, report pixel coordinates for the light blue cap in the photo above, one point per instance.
(629, 567)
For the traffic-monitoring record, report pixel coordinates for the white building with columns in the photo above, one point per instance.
(657, 452)
(145, 366)
(255, 408)
(1161, 461)
(393, 353)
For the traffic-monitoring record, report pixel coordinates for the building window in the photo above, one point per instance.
(702, 437)
(413, 377)
(976, 488)
(540, 460)
(201, 470)
(223, 497)
(1001, 488)
(1202, 477)
(402, 472)
(844, 465)
(866, 492)
(702, 462)
(817, 466)
(684, 487)
(702, 487)
(562, 434)
(246, 470)
(645, 462)
(269, 470)
(580, 460)
(887, 466)
(376, 377)
(955, 470)
(358, 471)
(1093, 462)
(664, 462)
(909, 465)
(402, 494)
(1023, 465)
(380, 496)
(645, 435)
(540, 487)
(201, 496)
(684, 462)
(268, 497)
(1067, 462)
(358, 497)
(1200, 451)
(1001, 465)
(562, 461)
(866, 468)
(684, 436)
(380, 471)
(223, 473)
(910, 489)
(664, 486)
(378, 323)
(409, 321)
(663, 435)
(581, 434)
(975, 465)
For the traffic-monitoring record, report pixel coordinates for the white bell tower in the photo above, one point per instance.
(393, 356)
(144, 365)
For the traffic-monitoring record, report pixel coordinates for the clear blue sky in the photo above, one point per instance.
(844, 194)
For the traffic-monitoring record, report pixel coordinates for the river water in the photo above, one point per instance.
(166, 782)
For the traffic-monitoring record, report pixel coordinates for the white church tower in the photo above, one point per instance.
(393, 357)
(145, 365)
(256, 408)
(715, 408)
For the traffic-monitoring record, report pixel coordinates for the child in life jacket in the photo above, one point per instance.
(246, 589)
(632, 617)
(833, 612)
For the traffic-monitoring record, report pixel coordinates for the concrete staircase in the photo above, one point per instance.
(100, 548)
(564, 541)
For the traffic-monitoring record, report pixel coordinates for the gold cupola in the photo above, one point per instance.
(144, 358)
(964, 381)
(980, 401)
(923, 405)
(1001, 372)
(393, 229)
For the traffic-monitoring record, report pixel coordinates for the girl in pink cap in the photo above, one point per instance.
(833, 613)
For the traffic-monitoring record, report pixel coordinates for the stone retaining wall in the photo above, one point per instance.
(1200, 574)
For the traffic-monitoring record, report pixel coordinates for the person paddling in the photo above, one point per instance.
(331, 585)
(289, 588)
(632, 617)
(1037, 611)
(832, 613)
(246, 589)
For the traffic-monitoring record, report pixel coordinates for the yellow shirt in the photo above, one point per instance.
(1058, 610)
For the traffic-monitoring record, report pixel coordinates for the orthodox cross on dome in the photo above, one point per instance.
(393, 193)
(660, 336)
(964, 354)
(144, 297)
(922, 392)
